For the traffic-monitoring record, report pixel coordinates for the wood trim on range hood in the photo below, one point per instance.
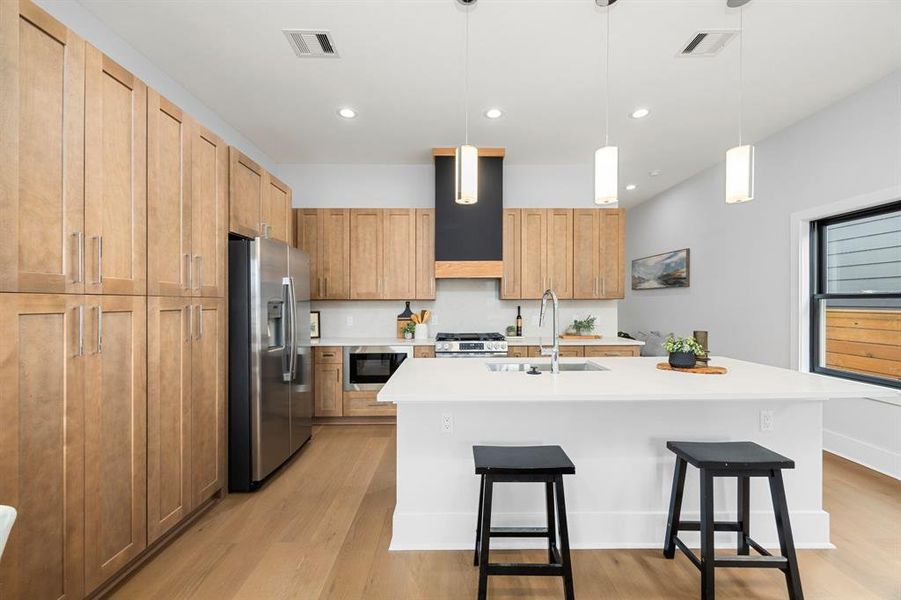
(469, 269)
(485, 152)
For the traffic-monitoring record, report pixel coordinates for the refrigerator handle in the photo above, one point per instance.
(292, 362)
(286, 315)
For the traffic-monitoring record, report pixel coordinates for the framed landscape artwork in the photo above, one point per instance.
(667, 270)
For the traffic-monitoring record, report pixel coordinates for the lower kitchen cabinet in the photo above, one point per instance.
(365, 404)
(185, 407)
(576, 351)
(328, 382)
(598, 351)
(521, 351)
(424, 351)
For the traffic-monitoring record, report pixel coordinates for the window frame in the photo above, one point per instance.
(818, 293)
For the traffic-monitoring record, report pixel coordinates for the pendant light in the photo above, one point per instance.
(466, 157)
(740, 159)
(606, 159)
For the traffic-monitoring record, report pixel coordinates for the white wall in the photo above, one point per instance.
(80, 20)
(741, 263)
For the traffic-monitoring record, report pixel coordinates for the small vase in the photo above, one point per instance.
(682, 360)
(422, 331)
(408, 335)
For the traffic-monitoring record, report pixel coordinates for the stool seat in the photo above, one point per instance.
(522, 460)
(729, 455)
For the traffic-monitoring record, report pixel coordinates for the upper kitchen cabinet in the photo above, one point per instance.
(324, 234)
(276, 210)
(115, 178)
(560, 251)
(425, 254)
(533, 244)
(209, 211)
(169, 256)
(399, 253)
(598, 240)
(42, 85)
(246, 181)
(511, 280)
(366, 239)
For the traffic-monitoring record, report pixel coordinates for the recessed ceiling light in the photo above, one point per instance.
(494, 113)
(640, 113)
(654, 173)
(630, 187)
(347, 113)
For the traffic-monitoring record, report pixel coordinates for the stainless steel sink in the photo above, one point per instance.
(543, 367)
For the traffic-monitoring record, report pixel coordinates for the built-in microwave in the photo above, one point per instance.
(370, 367)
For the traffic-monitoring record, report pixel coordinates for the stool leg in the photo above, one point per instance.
(675, 509)
(744, 514)
(475, 558)
(568, 591)
(551, 523)
(485, 538)
(707, 547)
(786, 540)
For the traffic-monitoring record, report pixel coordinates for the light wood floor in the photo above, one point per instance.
(320, 530)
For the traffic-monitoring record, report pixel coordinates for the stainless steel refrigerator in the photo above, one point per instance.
(270, 358)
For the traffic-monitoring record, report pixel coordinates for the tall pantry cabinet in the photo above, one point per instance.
(108, 193)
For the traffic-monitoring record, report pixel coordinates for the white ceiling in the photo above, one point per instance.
(541, 61)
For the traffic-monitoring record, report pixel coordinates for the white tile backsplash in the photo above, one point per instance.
(460, 305)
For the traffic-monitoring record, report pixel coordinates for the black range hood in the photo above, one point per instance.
(468, 237)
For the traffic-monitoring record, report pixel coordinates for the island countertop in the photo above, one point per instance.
(628, 379)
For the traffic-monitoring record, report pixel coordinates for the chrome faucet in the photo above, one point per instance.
(553, 351)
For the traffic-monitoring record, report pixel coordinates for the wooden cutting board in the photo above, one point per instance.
(708, 370)
(564, 336)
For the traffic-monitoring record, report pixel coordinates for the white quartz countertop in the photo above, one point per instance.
(629, 379)
(522, 341)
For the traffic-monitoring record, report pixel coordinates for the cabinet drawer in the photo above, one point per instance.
(364, 404)
(329, 354)
(423, 351)
(597, 351)
(522, 351)
(572, 351)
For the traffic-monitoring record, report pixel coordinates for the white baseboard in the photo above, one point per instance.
(872, 457)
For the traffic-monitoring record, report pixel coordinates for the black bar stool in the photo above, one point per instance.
(502, 464)
(741, 460)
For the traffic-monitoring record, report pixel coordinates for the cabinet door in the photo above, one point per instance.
(560, 251)
(425, 254)
(169, 256)
(398, 253)
(245, 194)
(115, 452)
(307, 223)
(366, 278)
(277, 210)
(42, 444)
(613, 235)
(335, 253)
(169, 343)
(586, 253)
(209, 204)
(572, 351)
(42, 152)
(534, 252)
(423, 351)
(115, 178)
(522, 351)
(208, 401)
(511, 282)
(329, 390)
(591, 351)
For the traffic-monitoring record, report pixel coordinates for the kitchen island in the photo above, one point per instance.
(614, 424)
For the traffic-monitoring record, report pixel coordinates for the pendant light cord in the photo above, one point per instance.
(607, 83)
(466, 81)
(741, 71)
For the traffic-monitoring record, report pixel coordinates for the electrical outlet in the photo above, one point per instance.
(447, 423)
(350, 320)
(767, 420)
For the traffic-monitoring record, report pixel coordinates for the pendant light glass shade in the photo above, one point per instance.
(739, 174)
(467, 174)
(606, 167)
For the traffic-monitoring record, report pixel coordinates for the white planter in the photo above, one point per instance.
(422, 331)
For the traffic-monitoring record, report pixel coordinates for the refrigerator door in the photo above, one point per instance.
(302, 367)
(270, 337)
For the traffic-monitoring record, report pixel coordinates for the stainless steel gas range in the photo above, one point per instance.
(469, 345)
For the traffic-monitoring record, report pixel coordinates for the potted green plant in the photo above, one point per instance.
(683, 351)
(582, 326)
(408, 330)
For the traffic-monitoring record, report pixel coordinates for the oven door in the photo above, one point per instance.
(370, 367)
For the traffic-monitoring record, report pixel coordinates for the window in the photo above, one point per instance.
(855, 305)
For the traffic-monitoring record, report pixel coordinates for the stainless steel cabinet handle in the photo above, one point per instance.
(79, 253)
(328, 355)
(603, 286)
(189, 318)
(98, 245)
(595, 286)
(187, 264)
(325, 279)
(199, 259)
(79, 351)
(200, 321)
(99, 329)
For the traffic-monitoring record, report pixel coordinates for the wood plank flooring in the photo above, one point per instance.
(320, 530)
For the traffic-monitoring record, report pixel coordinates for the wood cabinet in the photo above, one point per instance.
(511, 281)
(42, 153)
(598, 240)
(115, 178)
(559, 247)
(328, 382)
(425, 254)
(366, 404)
(42, 368)
(598, 351)
(576, 351)
(398, 253)
(115, 400)
(533, 240)
(276, 210)
(185, 407)
(424, 351)
(245, 194)
(366, 277)
(521, 351)
(324, 234)
(209, 211)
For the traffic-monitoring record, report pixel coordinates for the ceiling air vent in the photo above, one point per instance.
(309, 43)
(707, 43)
